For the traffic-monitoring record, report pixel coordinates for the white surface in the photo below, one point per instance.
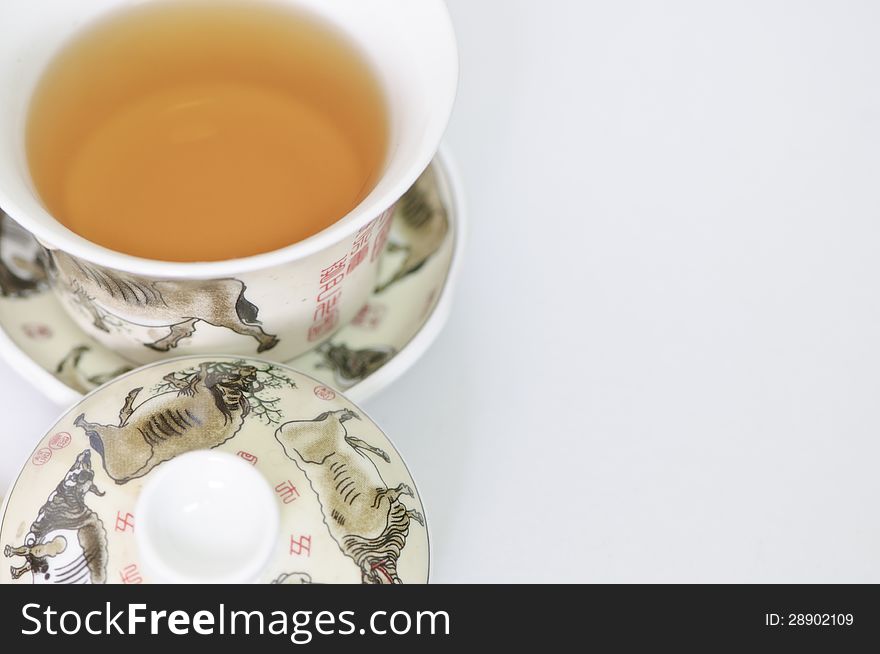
(663, 360)
(185, 512)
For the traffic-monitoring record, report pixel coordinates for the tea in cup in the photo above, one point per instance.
(222, 175)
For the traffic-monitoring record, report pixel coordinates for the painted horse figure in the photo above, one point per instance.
(179, 306)
(201, 411)
(67, 543)
(367, 519)
(21, 270)
(351, 366)
(424, 223)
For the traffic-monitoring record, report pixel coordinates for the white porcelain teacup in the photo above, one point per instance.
(282, 303)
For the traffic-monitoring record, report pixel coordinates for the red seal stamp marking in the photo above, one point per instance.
(37, 331)
(42, 456)
(324, 393)
(59, 441)
(370, 317)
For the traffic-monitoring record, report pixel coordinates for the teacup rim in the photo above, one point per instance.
(54, 235)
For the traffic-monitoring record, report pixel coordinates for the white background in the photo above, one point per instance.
(664, 361)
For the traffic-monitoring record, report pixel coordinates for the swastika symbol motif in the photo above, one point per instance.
(124, 522)
(301, 546)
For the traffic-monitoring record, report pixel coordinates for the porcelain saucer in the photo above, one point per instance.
(405, 314)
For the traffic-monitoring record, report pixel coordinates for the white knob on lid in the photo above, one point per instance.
(206, 517)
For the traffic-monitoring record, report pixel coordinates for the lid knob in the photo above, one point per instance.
(206, 517)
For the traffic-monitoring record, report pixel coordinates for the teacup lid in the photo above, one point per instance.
(217, 470)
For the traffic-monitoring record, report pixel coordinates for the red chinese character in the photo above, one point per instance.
(325, 327)
(124, 522)
(330, 288)
(335, 270)
(324, 393)
(301, 546)
(131, 575)
(59, 441)
(287, 492)
(363, 236)
(42, 456)
(327, 307)
(247, 456)
(358, 258)
(384, 233)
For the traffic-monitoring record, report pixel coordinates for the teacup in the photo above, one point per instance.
(278, 304)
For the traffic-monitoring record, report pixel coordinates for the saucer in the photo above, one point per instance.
(214, 469)
(406, 312)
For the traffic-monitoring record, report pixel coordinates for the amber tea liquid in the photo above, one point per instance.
(204, 131)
